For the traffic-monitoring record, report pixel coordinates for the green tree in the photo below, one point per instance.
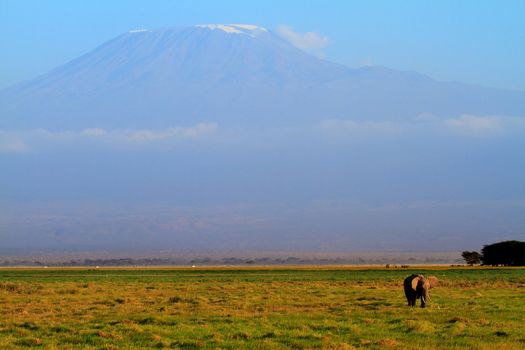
(511, 253)
(471, 258)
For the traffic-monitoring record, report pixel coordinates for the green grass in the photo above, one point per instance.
(259, 308)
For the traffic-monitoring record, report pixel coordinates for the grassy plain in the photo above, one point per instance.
(259, 308)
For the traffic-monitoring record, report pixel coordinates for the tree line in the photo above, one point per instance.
(506, 253)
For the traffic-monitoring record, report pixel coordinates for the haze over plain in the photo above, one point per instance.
(229, 137)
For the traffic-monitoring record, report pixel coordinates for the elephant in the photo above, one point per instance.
(417, 286)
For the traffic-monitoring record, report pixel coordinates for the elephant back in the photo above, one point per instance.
(411, 281)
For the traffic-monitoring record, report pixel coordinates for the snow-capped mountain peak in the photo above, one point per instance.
(236, 74)
(234, 28)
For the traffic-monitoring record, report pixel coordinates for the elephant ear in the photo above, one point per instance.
(433, 281)
(415, 281)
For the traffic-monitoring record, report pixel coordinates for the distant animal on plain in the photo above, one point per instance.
(417, 287)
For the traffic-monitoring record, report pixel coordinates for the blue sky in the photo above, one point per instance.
(480, 42)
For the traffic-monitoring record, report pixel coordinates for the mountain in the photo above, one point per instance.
(240, 75)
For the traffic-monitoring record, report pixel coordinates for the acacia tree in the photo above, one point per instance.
(511, 253)
(471, 258)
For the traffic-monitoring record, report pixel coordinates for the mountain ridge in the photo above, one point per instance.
(242, 75)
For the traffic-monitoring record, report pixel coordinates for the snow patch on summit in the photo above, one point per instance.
(224, 28)
(249, 27)
(233, 28)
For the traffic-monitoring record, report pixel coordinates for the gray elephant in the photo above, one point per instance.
(417, 286)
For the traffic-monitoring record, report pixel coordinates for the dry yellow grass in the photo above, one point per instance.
(276, 308)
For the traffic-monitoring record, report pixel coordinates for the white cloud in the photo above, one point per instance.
(477, 124)
(95, 132)
(485, 125)
(147, 135)
(310, 41)
(427, 124)
(12, 143)
(350, 125)
(24, 140)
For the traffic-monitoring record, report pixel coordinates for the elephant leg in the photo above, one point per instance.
(411, 298)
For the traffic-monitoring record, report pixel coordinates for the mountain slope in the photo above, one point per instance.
(239, 75)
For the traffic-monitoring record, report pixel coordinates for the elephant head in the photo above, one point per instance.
(417, 286)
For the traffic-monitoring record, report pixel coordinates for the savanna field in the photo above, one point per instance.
(259, 308)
